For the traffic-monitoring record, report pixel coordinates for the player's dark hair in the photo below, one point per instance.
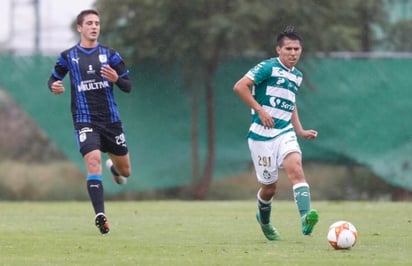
(290, 33)
(84, 13)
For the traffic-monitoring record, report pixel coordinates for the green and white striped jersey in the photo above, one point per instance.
(275, 90)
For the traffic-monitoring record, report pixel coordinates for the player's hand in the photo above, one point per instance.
(57, 87)
(309, 134)
(109, 73)
(266, 119)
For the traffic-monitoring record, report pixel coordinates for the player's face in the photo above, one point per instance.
(289, 53)
(90, 28)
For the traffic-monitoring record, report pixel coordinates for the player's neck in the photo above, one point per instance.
(88, 44)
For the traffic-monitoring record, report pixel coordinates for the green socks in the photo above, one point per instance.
(301, 194)
(264, 208)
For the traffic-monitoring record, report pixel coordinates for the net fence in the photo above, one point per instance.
(361, 108)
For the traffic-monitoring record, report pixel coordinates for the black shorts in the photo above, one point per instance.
(106, 138)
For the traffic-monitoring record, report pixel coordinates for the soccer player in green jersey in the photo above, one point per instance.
(270, 89)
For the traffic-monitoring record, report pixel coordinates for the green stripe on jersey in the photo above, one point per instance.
(275, 89)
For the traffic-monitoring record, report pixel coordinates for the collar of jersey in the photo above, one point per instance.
(88, 50)
(286, 68)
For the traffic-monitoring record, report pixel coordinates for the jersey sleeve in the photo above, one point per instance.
(116, 62)
(59, 71)
(260, 72)
(60, 68)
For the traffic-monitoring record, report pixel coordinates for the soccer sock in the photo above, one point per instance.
(114, 171)
(264, 208)
(301, 194)
(95, 189)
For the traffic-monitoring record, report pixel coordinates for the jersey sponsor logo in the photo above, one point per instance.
(76, 60)
(279, 103)
(273, 101)
(287, 106)
(91, 71)
(89, 86)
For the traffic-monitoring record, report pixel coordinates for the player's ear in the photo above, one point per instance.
(278, 49)
(79, 28)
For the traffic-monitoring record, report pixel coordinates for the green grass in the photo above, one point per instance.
(198, 233)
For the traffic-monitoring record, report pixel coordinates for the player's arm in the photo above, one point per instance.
(55, 83)
(306, 134)
(242, 88)
(124, 83)
(122, 80)
(118, 72)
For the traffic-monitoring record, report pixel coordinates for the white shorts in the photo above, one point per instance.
(267, 156)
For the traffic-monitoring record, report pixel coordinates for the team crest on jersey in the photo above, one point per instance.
(103, 58)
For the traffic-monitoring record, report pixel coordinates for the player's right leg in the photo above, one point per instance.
(102, 223)
(266, 173)
(88, 141)
(95, 189)
(263, 214)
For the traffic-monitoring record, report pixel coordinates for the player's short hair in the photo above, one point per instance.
(82, 14)
(290, 33)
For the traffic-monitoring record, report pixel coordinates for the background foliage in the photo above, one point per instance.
(198, 35)
(190, 40)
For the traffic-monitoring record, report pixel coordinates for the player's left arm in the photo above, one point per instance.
(117, 72)
(112, 74)
(300, 131)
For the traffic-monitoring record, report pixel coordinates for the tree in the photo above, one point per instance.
(399, 37)
(198, 35)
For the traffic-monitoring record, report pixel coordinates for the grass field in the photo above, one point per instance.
(198, 233)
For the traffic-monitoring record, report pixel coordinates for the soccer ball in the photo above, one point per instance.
(342, 235)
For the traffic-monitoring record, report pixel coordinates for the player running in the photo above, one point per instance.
(94, 69)
(269, 89)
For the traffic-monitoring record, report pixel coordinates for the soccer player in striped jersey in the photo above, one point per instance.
(270, 89)
(94, 69)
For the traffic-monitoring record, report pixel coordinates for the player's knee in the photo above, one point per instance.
(270, 192)
(93, 164)
(267, 191)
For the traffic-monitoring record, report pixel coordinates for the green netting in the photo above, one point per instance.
(360, 108)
